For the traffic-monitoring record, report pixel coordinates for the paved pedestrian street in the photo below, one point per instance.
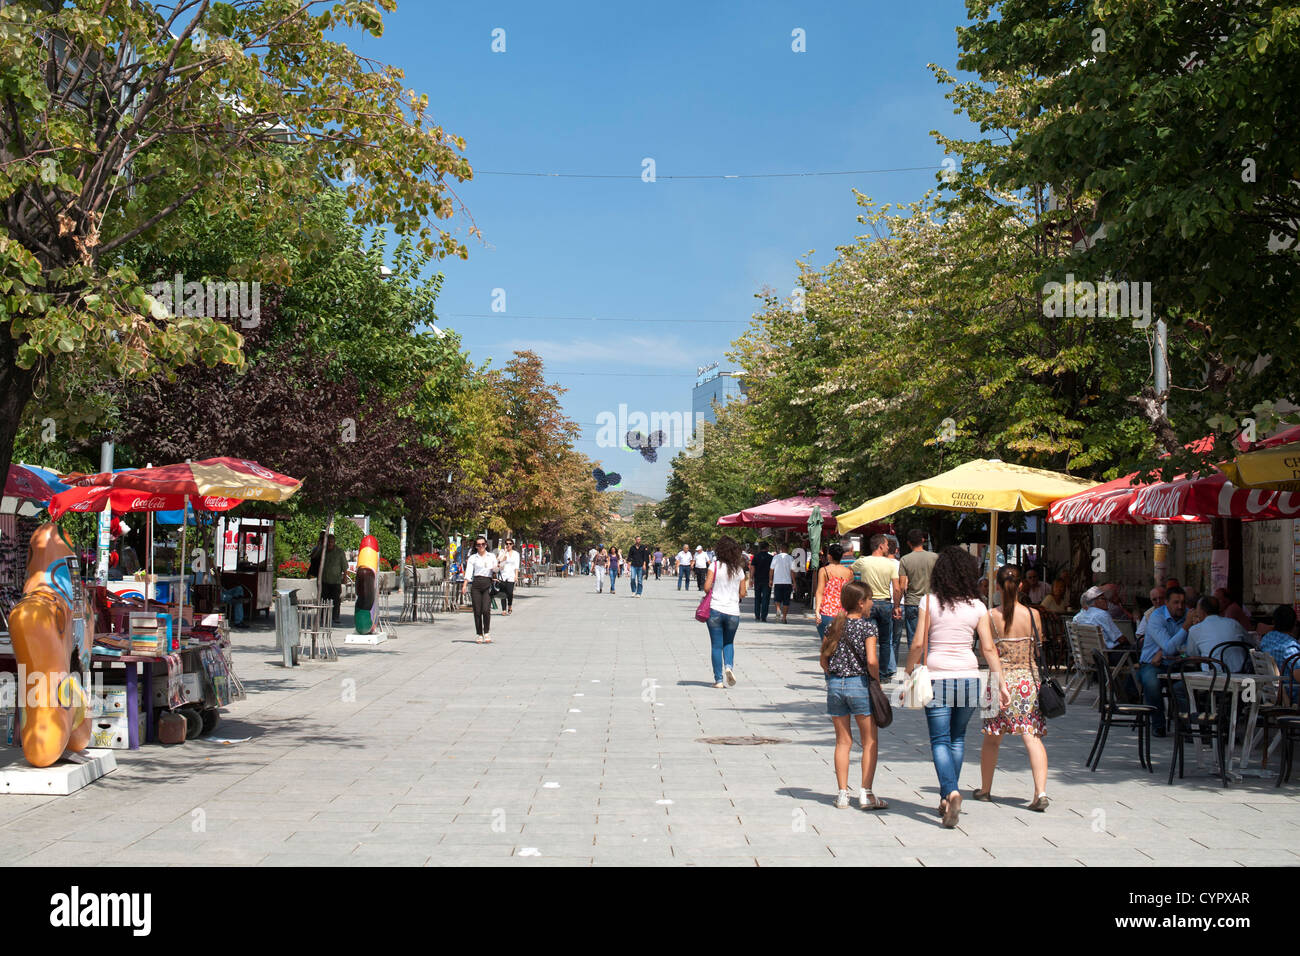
(577, 738)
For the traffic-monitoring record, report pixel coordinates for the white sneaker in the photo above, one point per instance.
(842, 801)
(730, 675)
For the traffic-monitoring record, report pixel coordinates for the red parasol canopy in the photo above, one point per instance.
(1213, 496)
(23, 483)
(732, 521)
(216, 477)
(783, 512)
(1105, 504)
(85, 498)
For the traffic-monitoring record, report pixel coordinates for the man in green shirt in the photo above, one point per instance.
(879, 572)
(914, 577)
(333, 565)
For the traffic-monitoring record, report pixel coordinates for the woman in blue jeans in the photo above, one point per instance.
(849, 658)
(949, 619)
(727, 581)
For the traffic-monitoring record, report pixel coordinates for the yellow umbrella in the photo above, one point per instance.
(1276, 469)
(981, 485)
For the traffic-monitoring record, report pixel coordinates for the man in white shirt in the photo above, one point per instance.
(781, 579)
(1095, 612)
(701, 566)
(1208, 629)
(683, 561)
(591, 560)
(1157, 600)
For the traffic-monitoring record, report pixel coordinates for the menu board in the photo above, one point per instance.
(1271, 551)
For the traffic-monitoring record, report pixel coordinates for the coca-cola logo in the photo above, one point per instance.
(258, 470)
(216, 504)
(155, 503)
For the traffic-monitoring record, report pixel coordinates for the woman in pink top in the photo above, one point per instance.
(946, 627)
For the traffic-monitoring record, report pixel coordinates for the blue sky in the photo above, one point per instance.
(702, 89)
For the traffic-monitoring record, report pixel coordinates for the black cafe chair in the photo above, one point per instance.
(1200, 713)
(1219, 650)
(1285, 716)
(1113, 712)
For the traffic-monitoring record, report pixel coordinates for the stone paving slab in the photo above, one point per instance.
(433, 750)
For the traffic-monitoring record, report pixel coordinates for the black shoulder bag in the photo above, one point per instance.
(1051, 698)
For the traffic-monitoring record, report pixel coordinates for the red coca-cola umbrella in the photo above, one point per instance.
(91, 498)
(1209, 497)
(732, 521)
(1105, 504)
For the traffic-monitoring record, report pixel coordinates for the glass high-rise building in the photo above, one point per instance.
(714, 387)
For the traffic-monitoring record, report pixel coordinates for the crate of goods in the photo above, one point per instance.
(112, 732)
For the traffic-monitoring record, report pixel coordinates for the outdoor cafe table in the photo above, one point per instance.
(1237, 685)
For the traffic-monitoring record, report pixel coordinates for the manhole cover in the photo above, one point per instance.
(742, 741)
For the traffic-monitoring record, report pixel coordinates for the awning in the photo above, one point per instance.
(1209, 497)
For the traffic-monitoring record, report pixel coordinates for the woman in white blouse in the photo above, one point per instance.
(478, 581)
(508, 562)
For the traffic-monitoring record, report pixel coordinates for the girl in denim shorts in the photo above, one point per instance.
(849, 658)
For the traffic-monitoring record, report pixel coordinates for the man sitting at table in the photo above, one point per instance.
(1032, 590)
(1232, 609)
(1207, 629)
(1157, 601)
(1097, 613)
(1114, 606)
(1165, 638)
(1057, 601)
(1281, 645)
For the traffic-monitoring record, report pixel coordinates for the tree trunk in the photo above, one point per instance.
(16, 389)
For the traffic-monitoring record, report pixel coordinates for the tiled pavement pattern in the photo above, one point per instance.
(574, 739)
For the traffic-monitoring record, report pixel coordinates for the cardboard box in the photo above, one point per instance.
(112, 732)
(191, 689)
(111, 703)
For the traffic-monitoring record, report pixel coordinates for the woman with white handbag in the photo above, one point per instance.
(948, 622)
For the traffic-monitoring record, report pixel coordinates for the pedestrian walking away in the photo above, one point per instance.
(849, 658)
(727, 579)
(951, 616)
(831, 578)
(479, 569)
(508, 562)
(638, 562)
(914, 581)
(683, 561)
(614, 564)
(1015, 628)
(702, 565)
(761, 572)
(880, 573)
(781, 577)
(599, 567)
(658, 561)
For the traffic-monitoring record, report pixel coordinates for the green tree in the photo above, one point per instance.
(118, 114)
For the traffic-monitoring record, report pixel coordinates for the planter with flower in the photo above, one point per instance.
(293, 575)
(386, 577)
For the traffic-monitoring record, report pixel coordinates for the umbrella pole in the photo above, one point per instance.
(180, 598)
(993, 555)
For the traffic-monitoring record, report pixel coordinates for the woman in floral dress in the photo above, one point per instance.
(1016, 633)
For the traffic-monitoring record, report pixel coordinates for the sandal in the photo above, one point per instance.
(984, 796)
(869, 801)
(479, 639)
(952, 812)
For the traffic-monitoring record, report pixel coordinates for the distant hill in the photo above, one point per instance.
(631, 501)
